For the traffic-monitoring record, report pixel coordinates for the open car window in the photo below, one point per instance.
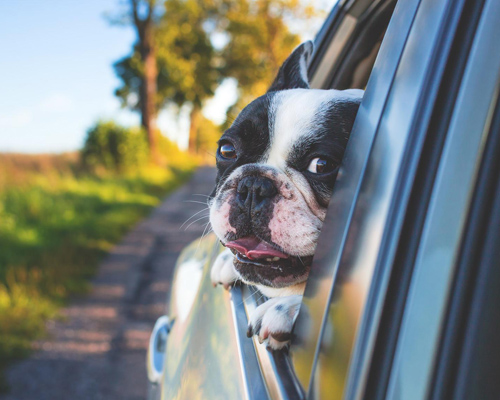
(360, 198)
(355, 257)
(346, 50)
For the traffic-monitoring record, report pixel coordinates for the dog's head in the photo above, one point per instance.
(277, 164)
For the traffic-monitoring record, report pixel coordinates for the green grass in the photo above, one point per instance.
(54, 229)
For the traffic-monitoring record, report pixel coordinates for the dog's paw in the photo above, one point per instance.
(223, 271)
(273, 321)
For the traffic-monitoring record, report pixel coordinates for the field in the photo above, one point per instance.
(56, 223)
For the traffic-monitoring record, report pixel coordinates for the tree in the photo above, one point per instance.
(139, 72)
(190, 66)
(186, 63)
(206, 139)
(187, 59)
(259, 41)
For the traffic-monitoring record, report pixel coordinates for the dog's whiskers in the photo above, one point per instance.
(260, 297)
(209, 230)
(302, 262)
(202, 236)
(207, 225)
(192, 216)
(313, 244)
(195, 201)
(249, 296)
(196, 220)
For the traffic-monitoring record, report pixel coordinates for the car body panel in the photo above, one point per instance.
(200, 358)
(445, 221)
(310, 327)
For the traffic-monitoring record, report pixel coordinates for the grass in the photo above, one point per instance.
(55, 226)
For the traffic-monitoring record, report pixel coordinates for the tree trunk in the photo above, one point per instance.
(145, 33)
(149, 89)
(195, 118)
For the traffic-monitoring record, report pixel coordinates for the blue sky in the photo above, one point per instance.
(55, 72)
(56, 75)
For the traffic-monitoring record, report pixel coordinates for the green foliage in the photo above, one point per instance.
(56, 228)
(206, 140)
(110, 147)
(187, 70)
(130, 70)
(185, 54)
(256, 40)
(114, 148)
(259, 41)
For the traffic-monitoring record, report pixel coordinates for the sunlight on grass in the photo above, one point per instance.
(54, 230)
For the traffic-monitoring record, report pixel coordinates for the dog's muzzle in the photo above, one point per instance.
(254, 194)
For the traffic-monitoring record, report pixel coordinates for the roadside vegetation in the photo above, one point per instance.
(60, 214)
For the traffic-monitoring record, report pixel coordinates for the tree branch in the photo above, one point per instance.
(151, 4)
(137, 21)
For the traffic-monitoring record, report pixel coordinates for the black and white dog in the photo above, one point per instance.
(277, 164)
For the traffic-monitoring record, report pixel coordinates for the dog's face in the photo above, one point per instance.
(277, 165)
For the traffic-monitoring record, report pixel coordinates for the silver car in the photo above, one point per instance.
(402, 300)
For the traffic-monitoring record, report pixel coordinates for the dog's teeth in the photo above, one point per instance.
(268, 259)
(276, 258)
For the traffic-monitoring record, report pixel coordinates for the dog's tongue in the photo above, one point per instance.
(254, 248)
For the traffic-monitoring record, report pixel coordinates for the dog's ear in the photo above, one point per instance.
(293, 72)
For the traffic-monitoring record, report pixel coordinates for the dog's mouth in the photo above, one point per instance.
(260, 262)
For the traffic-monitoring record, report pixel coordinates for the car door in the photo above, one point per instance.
(337, 327)
(379, 208)
(350, 46)
(387, 239)
(202, 350)
(426, 356)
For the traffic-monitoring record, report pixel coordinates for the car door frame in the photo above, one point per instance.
(276, 367)
(417, 116)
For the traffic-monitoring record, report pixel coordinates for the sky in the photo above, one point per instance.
(56, 78)
(56, 75)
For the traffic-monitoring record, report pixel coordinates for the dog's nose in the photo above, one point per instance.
(254, 193)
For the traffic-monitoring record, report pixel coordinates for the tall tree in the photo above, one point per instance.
(186, 63)
(187, 58)
(139, 72)
(191, 63)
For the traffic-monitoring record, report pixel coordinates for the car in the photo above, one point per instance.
(402, 298)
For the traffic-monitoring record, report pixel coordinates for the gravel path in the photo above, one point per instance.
(99, 350)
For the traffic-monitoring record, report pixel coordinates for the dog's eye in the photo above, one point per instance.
(227, 150)
(320, 165)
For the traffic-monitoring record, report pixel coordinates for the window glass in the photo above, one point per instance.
(351, 237)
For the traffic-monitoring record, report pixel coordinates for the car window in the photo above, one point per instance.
(346, 48)
(411, 374)
(336, 46)
(312, 324)
(470, 336)
(362, 245)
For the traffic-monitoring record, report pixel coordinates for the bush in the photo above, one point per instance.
(110, 147)
(115, 148)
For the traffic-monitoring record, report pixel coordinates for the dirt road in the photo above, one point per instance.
(99, 350)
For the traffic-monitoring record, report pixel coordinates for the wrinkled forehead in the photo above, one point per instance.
(299, 116)
(274, 125)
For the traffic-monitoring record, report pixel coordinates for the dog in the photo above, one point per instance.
(277, 164)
